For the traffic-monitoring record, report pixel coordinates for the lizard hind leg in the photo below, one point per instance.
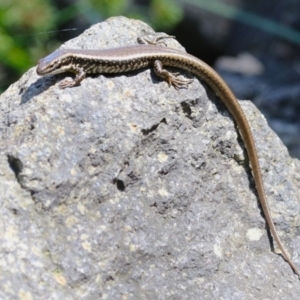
(155, 41)
(169, 77)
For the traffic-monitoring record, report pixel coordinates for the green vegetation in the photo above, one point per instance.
(18, 48)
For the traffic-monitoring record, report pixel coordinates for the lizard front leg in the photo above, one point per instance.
(69, 82)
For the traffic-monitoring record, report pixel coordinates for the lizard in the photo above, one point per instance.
(150, 54)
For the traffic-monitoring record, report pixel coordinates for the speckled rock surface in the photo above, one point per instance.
(124, 188)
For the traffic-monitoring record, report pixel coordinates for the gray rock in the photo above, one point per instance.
(124, 188)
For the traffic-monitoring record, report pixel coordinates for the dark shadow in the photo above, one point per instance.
(38, 87)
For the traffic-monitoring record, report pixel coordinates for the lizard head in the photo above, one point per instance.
(53, 63)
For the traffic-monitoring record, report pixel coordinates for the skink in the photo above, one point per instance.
(126, 59)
